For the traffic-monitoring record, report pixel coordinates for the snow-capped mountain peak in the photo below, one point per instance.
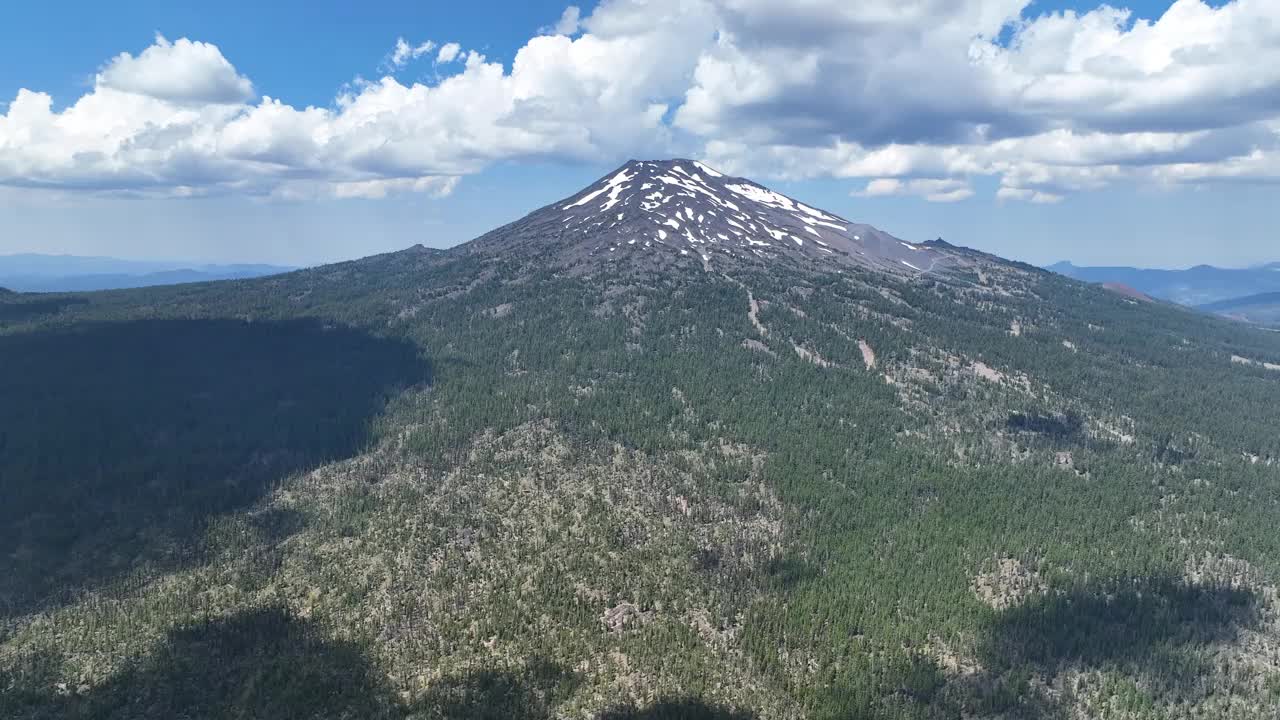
(654, 210)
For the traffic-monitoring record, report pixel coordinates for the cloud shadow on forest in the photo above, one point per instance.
(256, 664)
(121, 441)
(269, 663)
(1145, 628)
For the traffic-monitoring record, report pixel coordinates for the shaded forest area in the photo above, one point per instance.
(271, 664)
(129, 437)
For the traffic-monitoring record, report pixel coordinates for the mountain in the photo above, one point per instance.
(1263, 309)
(1194, 286)
(577, 469)
(70, 273)
(1248, 295)
(661, 214)
(42, 265)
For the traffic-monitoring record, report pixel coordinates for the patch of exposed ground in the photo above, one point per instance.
(1006, 582)
(1017, 381)
(500, 311)
(868, 354)
(1238, 360)
(1254, 459)
(810, 356)
(1122, 430)
(986, 372)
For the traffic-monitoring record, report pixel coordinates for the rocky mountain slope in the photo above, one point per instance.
(555, 473)
(658, 213)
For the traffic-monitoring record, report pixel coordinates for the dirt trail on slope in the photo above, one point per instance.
(811, 356)
(753, 312)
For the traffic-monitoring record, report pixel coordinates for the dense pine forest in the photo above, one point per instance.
(450, 485)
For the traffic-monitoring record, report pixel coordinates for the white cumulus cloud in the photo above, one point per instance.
(403, 53)
(932, 189)
(448, 52)
(569, 23)
(1066, 102)
(182, 71)
(898, 98)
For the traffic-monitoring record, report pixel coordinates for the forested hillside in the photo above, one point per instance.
(457, 485)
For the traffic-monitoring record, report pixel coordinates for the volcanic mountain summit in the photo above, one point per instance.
(677, 211)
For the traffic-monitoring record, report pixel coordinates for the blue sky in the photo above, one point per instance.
(1032, 148)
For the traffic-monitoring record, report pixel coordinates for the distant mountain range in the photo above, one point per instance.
(1197, 286)
(1262, 309)
(32, 272)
